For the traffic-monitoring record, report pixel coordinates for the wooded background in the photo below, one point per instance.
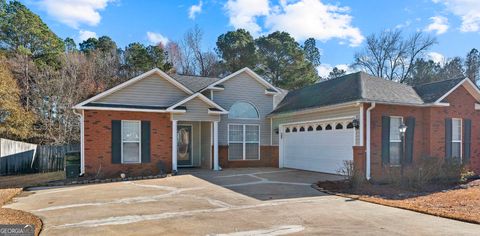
(42, 76)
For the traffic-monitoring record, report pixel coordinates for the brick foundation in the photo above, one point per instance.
(98, 141)
(268, 158)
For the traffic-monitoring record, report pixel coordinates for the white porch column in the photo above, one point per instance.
(174, 145)
(215, 146)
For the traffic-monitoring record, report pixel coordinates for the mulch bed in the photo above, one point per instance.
(460, 202)
(11, 216)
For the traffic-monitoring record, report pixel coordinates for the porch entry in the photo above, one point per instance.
(193, 144)
(184, 146)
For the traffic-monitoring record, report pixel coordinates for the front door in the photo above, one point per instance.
(184, 145)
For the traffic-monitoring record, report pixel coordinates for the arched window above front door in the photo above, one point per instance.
(243, 110)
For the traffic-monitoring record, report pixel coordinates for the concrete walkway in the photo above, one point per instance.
(197, 204)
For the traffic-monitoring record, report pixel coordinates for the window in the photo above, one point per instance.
(287, 130)
(302, 129)
(131, 141)
(319, 127)
(457, 138)
(243, 110)
(310, 128)
(339, 126)
(395, 141)
(243, 142)
(328, 127)
(294, 129)
(350, 125)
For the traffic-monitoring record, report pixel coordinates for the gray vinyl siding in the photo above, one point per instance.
(206, 144)
(197, 110)
(246, 89)
(196, 137)
(320, 115)
(153, 90)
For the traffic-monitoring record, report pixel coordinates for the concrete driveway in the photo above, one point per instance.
(231, 202)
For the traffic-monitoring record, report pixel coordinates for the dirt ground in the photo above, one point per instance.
(11, 186)
(454, 203)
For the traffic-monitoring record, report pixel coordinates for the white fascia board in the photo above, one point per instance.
(120, 109)
(131, 81)
(202, 97)
(467, 83)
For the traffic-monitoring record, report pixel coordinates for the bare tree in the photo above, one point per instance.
(390, 56)
(188, 57)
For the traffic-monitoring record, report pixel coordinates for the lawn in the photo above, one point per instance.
(460, 202)
(11, 186)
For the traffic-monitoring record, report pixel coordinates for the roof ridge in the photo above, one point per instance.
(440, 81)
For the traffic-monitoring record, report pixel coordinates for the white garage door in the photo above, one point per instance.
(317, 147)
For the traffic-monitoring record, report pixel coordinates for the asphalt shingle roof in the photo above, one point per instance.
(194, 83)
(361, 86)
(431, 92)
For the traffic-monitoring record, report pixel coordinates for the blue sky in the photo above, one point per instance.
(340, 27)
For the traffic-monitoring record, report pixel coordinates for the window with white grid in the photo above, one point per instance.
(457, 138)
(130, 141)
(395, 141)
(243, 142)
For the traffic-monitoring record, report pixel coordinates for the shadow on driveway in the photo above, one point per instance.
(264, 183)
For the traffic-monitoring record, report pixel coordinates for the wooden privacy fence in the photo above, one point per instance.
(51, 158)
(46, 158)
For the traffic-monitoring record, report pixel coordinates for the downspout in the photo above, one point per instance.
(82, 143)
(367, 166)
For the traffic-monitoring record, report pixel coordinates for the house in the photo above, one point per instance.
(241, 120)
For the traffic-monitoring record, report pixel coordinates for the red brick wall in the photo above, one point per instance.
(429, 129)
(268, 158)
(462, 105)
(359, 156)
(98, 138)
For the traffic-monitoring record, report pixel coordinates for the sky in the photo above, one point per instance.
(340, 27)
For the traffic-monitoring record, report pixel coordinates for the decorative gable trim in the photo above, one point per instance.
(132, 81)
(469, 86)
(249, 72)
(219, 109)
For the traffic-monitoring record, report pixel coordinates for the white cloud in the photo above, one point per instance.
(436, 57)
(194, 10)
(302, 19)
(243, 14)
(156, 38)
(439, 25)
(403, 25)
(85, 34)
(75, 12)
(467, 10)
(312, 18)
(325, 69)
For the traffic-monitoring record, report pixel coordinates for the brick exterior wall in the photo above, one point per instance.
(268, 158)
(98, 142)
(429, 137)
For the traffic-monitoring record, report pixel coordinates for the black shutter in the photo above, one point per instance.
(409, 139)
(145, 141)
(467, 139)
(385, 140)
(116, 141)
(448, 138)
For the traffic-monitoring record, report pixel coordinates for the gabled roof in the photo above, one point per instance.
(362, 87)
(431, 92)
(249, 72)
(194, 83)
(132, 81)
(201, 97)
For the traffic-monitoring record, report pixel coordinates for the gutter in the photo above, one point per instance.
(367, 169)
